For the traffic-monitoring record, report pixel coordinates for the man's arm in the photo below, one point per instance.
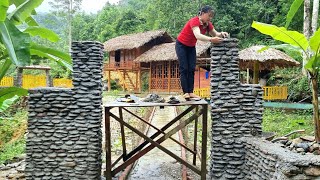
(214, 33)
(201, 37)
(198, 35)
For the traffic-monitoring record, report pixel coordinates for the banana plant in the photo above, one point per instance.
(18, 43)
(9, 95)
(299, 42)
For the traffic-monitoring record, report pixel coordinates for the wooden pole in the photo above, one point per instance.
(150, 77)
(109, 81)
(137, 88)
(169, 77)
(48, 79)
(248, 75)
(139, 78)
(19, 77)
(255, 72)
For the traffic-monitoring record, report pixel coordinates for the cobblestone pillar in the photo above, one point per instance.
(64, 125)
(236, 112)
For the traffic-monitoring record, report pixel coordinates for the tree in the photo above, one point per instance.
(66, 8)
(301, 44)
(130, 23)
(106, 21)
(83, 25)
(315, 15)
(17, 43)
(309, 21)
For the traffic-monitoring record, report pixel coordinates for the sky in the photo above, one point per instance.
(89, 6)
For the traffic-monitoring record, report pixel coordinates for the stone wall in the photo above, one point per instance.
(64, 125)
(236, 112)
(266, 160)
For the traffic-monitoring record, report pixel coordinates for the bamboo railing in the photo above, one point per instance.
(269, 92)
(34, 81)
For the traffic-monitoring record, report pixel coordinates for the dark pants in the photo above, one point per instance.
(187, 65)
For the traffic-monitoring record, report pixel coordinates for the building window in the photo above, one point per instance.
(117, 57)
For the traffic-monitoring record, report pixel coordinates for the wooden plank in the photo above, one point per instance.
(36, 67)
(150, 104)
(204, 142)
(108, 143)
(123, 138)
(195, 133)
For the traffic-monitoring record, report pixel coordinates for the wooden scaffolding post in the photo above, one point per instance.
(255, 72)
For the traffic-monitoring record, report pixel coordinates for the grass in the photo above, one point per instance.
(283, 122)
(12, 129)
(12, 149)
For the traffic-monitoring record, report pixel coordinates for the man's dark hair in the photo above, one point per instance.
(205, 9)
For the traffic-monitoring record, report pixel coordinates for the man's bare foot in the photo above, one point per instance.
(186, 96)
(194, 96)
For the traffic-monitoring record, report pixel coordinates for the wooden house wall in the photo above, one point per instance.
(161, 76)
(201, 78)
(126, 58)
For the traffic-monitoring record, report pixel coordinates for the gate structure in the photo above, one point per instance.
(64, 126)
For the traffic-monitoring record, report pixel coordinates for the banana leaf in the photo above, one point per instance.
(61, 58)
(10, 92)
(282, 34)
(16, 42)
(285, 47)
(4, 5)
(315, 41)
(24, 10)
(8, 102)
(293, 10)
(4, 67)
(313, 64)
(42, 32)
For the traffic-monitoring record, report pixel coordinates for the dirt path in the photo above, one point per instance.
(156, 164)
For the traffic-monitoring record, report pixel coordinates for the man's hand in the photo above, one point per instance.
(223, 34)
(216, 40)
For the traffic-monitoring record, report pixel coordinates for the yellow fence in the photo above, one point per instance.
(275, 92)
(63, 82)
(202, 92)
(6, 82)
(31, 81)
(269, 92)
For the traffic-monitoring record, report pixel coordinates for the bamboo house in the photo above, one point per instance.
(163, 65)
(251, 58)
(124, 49)
(151, 52)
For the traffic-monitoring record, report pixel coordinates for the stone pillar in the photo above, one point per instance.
(236, 112)
(64, 125)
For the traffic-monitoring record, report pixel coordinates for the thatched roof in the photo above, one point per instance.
(269, 59)
(137, 40)
(167, 52)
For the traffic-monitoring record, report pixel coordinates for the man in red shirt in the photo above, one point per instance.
(194, 30)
